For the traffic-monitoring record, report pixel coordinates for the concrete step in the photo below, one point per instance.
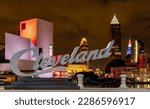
(42, 83)
(41, 79)
(41, 87)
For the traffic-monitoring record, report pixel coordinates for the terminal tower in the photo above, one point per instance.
(115, 33)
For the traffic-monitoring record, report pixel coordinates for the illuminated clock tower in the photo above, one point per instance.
(115, 31)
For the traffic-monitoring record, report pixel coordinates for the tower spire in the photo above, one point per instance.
(129, 47)
(114, 20)
(129, 44)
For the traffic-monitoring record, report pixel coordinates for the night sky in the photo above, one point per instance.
(74, 19)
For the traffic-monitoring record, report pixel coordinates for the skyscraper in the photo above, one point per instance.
(129, 49)
(140, 46)
(115, 31)
(137, 50)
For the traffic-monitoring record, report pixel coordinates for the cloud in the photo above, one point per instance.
(74, 19)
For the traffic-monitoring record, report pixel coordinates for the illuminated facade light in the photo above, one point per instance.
(138, 78)
(136, 51)
(50, 50)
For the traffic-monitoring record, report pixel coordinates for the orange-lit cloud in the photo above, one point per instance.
(74, 19)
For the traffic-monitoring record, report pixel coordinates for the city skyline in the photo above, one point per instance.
(79, 21)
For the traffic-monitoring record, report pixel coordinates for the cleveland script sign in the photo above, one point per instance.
(49, 62)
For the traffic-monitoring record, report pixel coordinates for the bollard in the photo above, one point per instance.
(123, 81)
(80, 80)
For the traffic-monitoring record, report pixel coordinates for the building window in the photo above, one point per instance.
(23, 26)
